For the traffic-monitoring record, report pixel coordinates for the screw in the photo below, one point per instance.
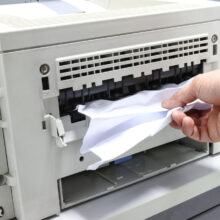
(2, 212)
(214, 38)
(44, 69)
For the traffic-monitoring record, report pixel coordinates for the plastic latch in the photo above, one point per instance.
(57, 130)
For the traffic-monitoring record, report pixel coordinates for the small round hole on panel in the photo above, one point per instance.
(81, 159)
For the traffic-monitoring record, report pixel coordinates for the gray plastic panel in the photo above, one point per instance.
(212, 214)
(83, 69)
(102, 24)
(3, 159)
(85, 184)
(118, 175)
(7, 2)
(198, 208)
(6, 204)
(90, 184)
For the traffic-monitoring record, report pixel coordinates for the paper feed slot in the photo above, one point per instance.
(69, 99)
(87, 185)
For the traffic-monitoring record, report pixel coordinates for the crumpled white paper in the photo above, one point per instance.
(117, 126)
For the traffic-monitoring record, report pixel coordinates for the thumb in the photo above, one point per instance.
(182, 97)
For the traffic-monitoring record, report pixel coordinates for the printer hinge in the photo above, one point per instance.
(56, 129)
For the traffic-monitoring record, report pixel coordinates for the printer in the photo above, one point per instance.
(56, 55)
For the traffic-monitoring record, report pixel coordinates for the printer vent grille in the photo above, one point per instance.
(87, 67)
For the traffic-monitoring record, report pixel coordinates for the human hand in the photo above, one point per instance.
(199, 125)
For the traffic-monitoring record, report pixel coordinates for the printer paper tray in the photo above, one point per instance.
(87, 185)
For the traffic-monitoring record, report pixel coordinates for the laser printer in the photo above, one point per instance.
(55, 55)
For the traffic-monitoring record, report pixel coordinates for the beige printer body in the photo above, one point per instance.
(49, 64)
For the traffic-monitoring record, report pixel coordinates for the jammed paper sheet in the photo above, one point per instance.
(117, 126)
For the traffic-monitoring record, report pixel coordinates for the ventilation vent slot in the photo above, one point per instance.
(83, 66)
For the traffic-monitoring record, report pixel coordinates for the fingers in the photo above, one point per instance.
(173, 124)
(181, 98)
(205, 134)
(190, 129)
(213, 124)
(196, 125)
(178, 117)
(218, 124)
(188, 125)
(204, 86)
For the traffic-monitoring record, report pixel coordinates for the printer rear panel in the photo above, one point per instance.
(113, 68)
(123, 65)
(36, 161)
(194, 54)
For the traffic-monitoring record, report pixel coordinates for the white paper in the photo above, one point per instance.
(117, 126)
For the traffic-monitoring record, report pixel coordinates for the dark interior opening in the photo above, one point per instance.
(110, 90)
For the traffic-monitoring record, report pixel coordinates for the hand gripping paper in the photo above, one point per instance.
(117, 126)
